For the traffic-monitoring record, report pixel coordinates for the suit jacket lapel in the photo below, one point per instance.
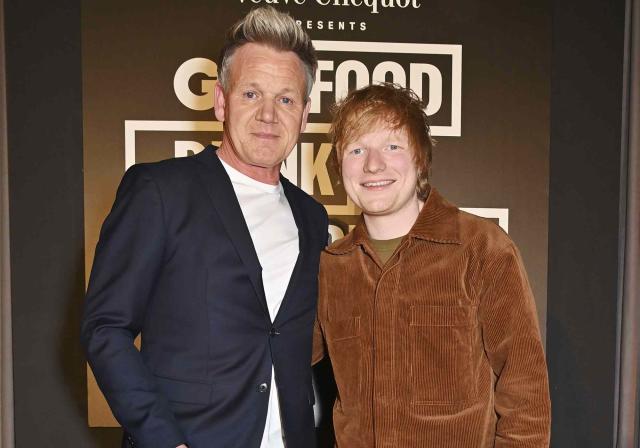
(220, 190)
(298, 214)
(299, 218)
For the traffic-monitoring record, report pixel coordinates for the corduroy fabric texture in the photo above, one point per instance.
(440, 346)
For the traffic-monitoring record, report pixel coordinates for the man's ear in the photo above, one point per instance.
(305, 115)
(219, 102)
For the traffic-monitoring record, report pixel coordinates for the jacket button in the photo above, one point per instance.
(263, 387)
(274, 332)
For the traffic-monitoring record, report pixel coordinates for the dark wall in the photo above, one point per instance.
(44, 95)
(586, 105)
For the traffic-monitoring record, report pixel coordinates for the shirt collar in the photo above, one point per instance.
(437, 222)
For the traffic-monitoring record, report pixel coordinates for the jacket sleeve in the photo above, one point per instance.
(318, 344)
(128, 259)
(318, 338)
(514, 348)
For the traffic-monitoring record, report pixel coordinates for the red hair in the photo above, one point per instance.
(384, 104)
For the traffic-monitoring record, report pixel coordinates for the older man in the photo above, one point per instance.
(425, 311)
(213, 259)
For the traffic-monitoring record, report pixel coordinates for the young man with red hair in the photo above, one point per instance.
(425, 311)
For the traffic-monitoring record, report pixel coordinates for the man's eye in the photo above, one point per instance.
(356, 151)
(286, 100)
(250, 95)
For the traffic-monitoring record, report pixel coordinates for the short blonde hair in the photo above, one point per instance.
(268, 26)
(384, 104)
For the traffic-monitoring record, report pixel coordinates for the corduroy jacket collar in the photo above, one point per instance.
(437, 222)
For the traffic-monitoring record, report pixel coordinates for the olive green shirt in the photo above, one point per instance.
(385, 248)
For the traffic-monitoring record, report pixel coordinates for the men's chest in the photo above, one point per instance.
(211, 258)
(422, 283)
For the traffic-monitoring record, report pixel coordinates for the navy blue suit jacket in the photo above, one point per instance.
(175, 262)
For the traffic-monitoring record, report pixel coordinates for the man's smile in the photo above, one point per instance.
(378, 184)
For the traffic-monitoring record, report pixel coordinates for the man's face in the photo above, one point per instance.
(263, 107)
(379, 172)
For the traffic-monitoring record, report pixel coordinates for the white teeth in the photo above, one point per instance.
(378, 184)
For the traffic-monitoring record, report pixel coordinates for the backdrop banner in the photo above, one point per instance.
(483, 69)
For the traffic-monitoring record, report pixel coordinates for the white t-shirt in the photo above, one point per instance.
(275, 237)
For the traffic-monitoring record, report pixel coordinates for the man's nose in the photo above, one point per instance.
(374, 162)
(267, 112)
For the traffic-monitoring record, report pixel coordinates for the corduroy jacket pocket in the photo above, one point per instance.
(340, 329)
(345, 350)
(441, 339)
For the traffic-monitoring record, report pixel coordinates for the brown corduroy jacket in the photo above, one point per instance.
(438, 348)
